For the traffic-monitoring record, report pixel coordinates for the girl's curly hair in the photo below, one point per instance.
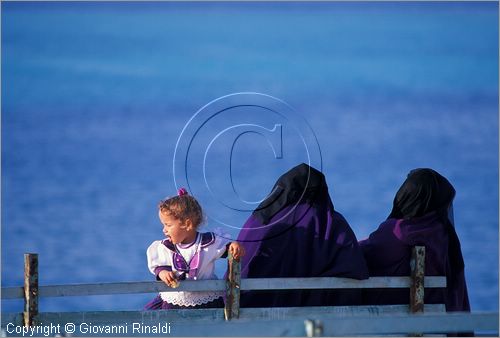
(183, 207)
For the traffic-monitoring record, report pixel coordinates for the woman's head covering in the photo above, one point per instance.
(300, 184)
(295, 232)
(425, 191)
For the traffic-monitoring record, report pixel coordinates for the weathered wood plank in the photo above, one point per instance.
(332, 325)
(93, 289)
(232, 302)
(30, 288)
(219, 285)
(417, 265)
(335, 283)
(186, 315)
(15, 292)
(401, 324)
(12, 317)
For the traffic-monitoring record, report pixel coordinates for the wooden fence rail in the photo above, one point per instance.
(276, 322)
(233, 321)
(95, 289)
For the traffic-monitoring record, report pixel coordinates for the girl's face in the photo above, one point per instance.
(177, 231)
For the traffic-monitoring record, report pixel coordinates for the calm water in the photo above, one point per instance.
(95, 96)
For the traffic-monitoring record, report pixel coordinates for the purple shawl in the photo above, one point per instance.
(301, 236)
(388, 251)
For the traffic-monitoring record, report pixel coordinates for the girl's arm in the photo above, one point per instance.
(159, 264)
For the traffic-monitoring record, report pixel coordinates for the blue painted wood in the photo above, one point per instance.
(191, 315)
(219, 285)
(333, 325)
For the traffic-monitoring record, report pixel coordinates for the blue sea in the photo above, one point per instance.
(109, 107)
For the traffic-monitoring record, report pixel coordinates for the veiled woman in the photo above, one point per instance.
(296, 232)
(422, 214)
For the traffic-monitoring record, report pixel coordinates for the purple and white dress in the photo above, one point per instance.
(193, 261)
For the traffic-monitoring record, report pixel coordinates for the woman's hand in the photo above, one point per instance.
(236, 250)
(169, 278)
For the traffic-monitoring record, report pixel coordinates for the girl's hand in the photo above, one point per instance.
(237, 250)
(169, 278)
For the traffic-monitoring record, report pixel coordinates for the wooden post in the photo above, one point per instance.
(30, 289)
(232, 306)
(417, 265)
(314, 328)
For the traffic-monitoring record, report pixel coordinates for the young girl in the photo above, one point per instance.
(186, 254)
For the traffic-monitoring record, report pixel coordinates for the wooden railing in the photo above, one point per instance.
(235, 321)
